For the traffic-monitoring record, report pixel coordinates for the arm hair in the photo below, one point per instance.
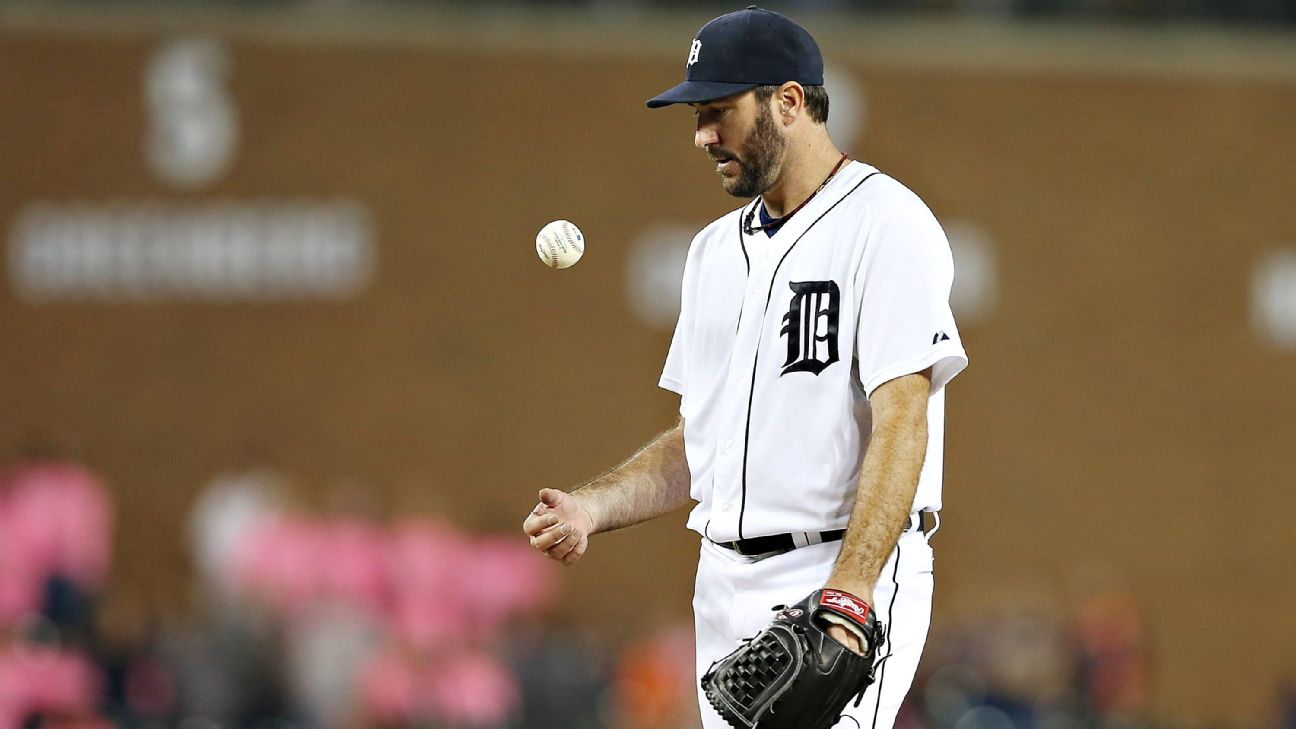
(888, 482)
(653, 481)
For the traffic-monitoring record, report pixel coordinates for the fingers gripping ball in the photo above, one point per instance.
(793, 674)
(560, 244)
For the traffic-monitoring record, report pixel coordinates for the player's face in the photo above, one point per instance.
(739, 133)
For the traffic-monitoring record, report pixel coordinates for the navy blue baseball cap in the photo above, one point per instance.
(742, 50)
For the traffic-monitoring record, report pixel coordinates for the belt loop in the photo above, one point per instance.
(803, 539)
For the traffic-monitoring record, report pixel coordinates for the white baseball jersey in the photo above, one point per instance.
(781, 339)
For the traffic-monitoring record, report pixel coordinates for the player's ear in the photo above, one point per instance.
(790, 100)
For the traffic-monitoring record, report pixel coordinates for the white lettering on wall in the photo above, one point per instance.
(210, 251)
(193, 124)
(1273, 298)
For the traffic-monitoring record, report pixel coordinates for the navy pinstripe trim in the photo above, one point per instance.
(742, 242)
(742, 511)
(886, 641)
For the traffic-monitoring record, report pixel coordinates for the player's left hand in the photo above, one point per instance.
(839, 633)
(847, 638)
(793, 674)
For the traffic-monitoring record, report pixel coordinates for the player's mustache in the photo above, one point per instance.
(718, 154)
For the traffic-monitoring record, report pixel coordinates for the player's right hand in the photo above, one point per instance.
(558, 526)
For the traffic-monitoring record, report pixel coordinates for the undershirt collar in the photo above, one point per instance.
(765, 219)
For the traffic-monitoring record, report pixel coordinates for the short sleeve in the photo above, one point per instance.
(674, 375)
(905, 321)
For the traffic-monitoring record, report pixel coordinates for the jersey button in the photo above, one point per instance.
(728, 446)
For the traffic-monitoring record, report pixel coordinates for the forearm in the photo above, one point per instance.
(887, 484)
(652, 482)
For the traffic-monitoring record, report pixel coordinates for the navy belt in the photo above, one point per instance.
(779, 543)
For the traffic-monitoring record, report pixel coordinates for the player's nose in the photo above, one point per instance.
(705, 137)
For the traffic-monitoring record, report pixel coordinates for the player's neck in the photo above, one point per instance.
(803, 174)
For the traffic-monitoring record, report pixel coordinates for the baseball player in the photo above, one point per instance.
(811, 355)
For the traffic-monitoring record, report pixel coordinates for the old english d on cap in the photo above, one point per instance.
(742, 50)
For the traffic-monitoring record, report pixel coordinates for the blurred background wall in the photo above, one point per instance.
(299, 238)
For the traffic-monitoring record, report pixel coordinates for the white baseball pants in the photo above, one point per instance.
(733, 597)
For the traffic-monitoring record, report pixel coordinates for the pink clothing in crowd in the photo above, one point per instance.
(353, 552)
(55, 519)
(294, 563)
(440, 594)
(279, 562)
(507, 582)
(37, 679)
(22, 586)
(461, 689)
(433, 584)
(429, 566)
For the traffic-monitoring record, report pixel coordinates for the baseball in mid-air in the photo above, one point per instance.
(560, 244)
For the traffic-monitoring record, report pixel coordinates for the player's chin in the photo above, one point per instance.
(732, 182)
(738, 187)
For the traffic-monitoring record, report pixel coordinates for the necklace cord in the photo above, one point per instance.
(750, 229)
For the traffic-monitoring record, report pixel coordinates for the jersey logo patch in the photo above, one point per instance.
(811, 326)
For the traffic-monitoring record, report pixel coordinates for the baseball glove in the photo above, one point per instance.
(793, 674)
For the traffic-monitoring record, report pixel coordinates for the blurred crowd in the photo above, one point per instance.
(303, 620)
(339, 620)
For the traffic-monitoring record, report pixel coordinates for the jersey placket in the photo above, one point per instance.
(733, 459)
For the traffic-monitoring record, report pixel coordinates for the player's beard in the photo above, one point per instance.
(760, 162)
